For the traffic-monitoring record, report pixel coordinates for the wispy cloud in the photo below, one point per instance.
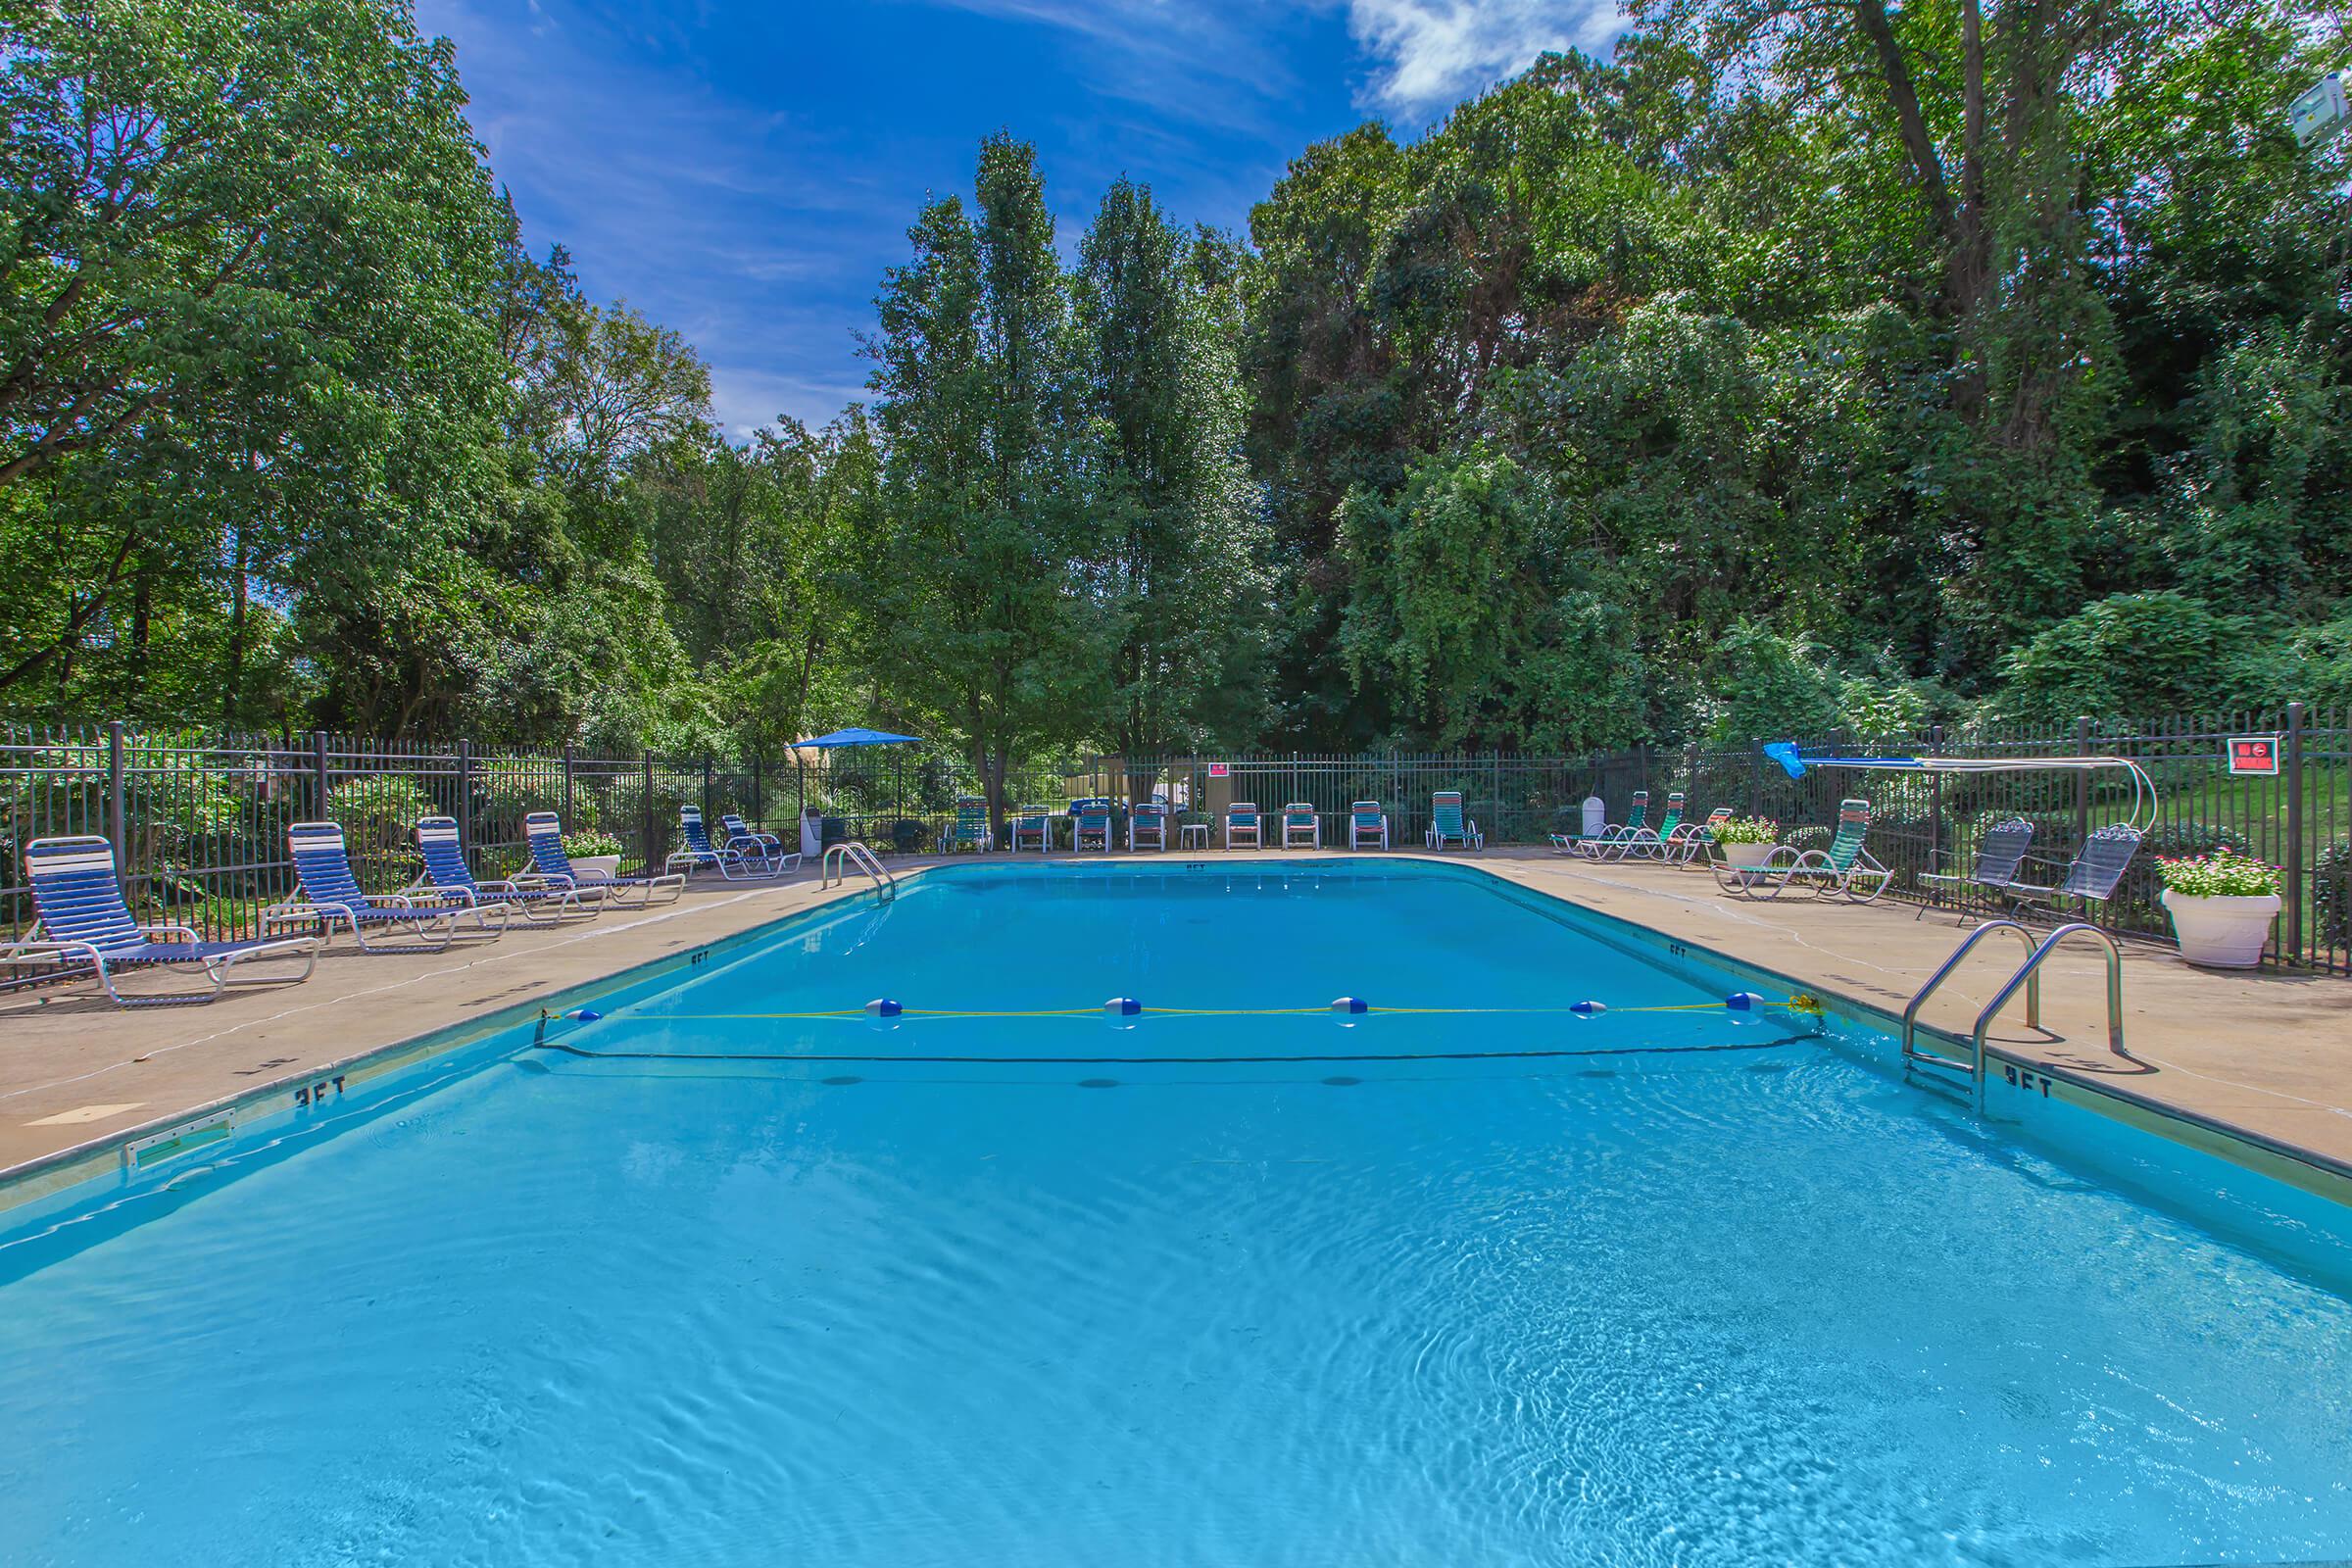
(1432, 53)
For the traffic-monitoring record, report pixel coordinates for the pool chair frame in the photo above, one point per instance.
(538, 899)
(2001, 853)
(756, 842)
(968, 829)
(1637, 819)
(1844, 868)
(1301, 816)
(1148, 820)
(1367, 825)
(1649, 843)
(1698, 844)
(81, 921)
(1573, 843)
(697, 851)
(1089, 820)
(1244, 817)
(1448, 823)
(1031, 822)
(543, 832)
(330, 896)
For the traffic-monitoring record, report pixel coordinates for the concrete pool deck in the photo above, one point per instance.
(2267, 1055)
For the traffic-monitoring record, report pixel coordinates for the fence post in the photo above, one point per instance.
(758, 817)
(318, 773)
(567, 782)
(1934, 805)
(2292, 762)
(2082, 782)
(708, 768)
(466, 799)
(645, 811)
(1755, 780)
(113, 802)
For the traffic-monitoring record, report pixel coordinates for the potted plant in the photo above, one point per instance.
(2222, 906)
(593, 852)
(1746, 839)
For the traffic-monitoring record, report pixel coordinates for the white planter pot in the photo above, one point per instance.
(2222, 933)
(1747, 856)
(589, 865)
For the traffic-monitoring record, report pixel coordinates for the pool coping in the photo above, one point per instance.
(112, 1153)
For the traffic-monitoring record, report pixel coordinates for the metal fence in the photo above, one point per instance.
(200, 820)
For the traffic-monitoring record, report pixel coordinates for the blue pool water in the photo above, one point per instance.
(1717, 1292)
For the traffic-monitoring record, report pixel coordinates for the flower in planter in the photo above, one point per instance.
(2223, 874)
(581, 845)
(1745, 830)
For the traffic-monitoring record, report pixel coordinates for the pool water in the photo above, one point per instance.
(1714, 1290)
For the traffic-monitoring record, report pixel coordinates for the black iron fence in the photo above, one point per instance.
(200, 820)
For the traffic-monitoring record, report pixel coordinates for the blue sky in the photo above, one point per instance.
(743, 172)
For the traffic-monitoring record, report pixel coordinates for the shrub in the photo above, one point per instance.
(2135, 653)
(2223, 874)
(2331, 896)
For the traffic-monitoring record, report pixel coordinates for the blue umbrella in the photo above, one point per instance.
(858, 737)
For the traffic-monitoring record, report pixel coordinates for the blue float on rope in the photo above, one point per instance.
(584, 1015)
(884, 1008)
(1122, 1007)
(1350, 1005)
(1744, 1002)
(1588, 1008)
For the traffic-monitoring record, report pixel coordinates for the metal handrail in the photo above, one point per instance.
(839, 857)
(2032, 988)
(2029, 974)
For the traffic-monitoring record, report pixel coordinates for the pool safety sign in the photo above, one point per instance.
(1220, 770)
(2253, 754)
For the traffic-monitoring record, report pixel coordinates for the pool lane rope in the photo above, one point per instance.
(1801, 1004)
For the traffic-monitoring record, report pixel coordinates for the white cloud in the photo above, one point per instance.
(1432, 53)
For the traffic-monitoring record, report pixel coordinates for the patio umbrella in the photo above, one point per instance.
(855, 735)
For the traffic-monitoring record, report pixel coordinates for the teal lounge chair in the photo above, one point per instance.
(1448, 825)
(1636, 824)
(1367, 825)
(1089, 820)
(1032, 825)
(1299, 820)
(1844, 868)
(970, 830)
(1148, 826)
(1242, 822)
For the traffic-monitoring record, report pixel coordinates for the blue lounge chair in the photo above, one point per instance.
(330, 896)
(768, 847)
(535, 898)
(1242, 822)
(1448, 825)
(543, 831)
(1089, 820)
(81, 923)
(1367, 823)
(1032, 824)
(1148, 826)
(696, 849)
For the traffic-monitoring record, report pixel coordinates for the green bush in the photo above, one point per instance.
(2331, 896)
(2136, 656)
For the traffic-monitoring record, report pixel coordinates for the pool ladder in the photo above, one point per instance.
(851, 856)
(2029, 976)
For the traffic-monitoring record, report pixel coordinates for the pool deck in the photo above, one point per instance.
(2268, 1056)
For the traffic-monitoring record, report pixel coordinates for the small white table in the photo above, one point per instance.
(1184, 836)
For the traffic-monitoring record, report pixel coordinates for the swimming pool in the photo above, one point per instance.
(700, 1281)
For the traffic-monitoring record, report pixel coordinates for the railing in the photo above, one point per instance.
(842, 857)
(1936, 982)
(2029, 974)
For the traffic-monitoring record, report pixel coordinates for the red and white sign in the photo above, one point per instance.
(2253, 754)
(1220, 770)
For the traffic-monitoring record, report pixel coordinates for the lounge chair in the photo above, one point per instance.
(1089, 820)
(1697, 840)
(2094, 873)
(535, 898)
(696, 849)
(1032, 824)
(1845, 866)
(1148, 826)
(970, 829)
(330, 895)
(543, 831)
(1649, 843)
(1637, 822)
(751, 841)
(1242, 822)
(1367, 823)
(1999, 853)
(1593, 826)
(1447, 825)
(81, 921)
(1299, 819)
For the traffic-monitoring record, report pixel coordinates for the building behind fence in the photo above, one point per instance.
(200, 820)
